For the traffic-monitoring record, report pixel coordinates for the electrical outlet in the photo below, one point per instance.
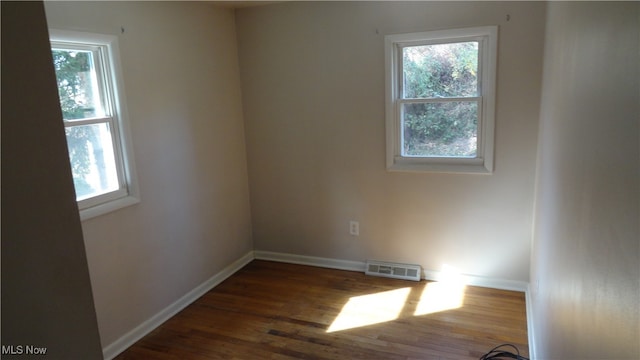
(354, 228)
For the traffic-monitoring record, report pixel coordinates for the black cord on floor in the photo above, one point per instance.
(496, 353)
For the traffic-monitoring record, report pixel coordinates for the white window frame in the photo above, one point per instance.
(105, 51)
(482, 163)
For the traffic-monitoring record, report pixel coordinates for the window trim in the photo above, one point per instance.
(106, 46)
(487, 36)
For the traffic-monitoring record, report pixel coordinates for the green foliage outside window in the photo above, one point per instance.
(440, 127)
(72, 73)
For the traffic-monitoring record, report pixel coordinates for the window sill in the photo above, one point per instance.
(440, 165)
(107, 207)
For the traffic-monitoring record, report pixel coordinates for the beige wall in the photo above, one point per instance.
(182, 85)
(313, 94)
(586, 254)
(46, 292)
(313, 87)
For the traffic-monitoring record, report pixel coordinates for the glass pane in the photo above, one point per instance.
(441, 70)
(441, 129)
(92, 159)
(77, 84)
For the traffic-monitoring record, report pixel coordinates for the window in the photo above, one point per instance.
(440, 100)
(94, 115)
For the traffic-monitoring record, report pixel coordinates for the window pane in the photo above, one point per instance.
(77, 84)
(440, 70)
(92, 159)
(440, 129)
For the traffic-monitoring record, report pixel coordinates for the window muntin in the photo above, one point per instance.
(93, 113)
(440, 98)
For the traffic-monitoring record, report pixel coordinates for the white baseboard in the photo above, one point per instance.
(482, 281)
(310, 260)
(530, 325)
(112, 350)
(493, 283)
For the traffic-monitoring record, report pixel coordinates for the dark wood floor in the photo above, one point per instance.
(272, 310)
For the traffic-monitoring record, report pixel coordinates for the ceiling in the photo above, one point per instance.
(237, 4)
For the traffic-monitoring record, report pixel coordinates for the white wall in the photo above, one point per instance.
(182, 86)
(585, 266)
(313, 94)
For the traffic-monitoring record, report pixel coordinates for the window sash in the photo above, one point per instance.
(122, 189)
(102, 68)
(399, 125)
(399, 49)
(115, 140)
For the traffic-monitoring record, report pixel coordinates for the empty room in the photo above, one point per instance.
(320, 180)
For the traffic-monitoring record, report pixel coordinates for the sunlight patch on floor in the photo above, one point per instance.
(440, 296)
(445, 294)
(371, 309)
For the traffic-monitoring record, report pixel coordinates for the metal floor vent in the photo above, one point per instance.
(393, 270)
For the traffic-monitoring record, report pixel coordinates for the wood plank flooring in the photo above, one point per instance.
(270, 310)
